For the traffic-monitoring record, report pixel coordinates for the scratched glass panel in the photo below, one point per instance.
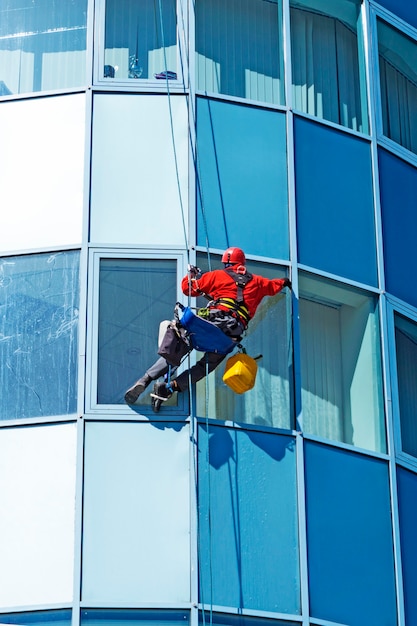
(39, 297)
(42, 45)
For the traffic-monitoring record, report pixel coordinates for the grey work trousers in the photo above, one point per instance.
(205, 365)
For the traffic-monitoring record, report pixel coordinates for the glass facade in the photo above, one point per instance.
(42, 45)
(239, 50)
(140, 40)
(398, 81)
(327, 61)
(39, 327)
(341, 373)
(139, 138)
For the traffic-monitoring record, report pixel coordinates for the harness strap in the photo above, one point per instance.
(239, 308)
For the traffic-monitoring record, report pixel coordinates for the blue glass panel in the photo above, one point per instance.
(224, 619)
(38, 618)
(130, 617)
(248, 520)
(404, 9)
(334, 201)
(42, 45)
(242, 196)
(407, 502)
(349, 534)
(39, 297)
(136, 516)
(398, 184)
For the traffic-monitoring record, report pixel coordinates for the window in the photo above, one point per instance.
(341, 379)
(39, 296)
(406, 351)
(269, 403)
(42, 172)
(407, 505)
(334, 202)
(243, 189)
(37, 524)
(140, 40)
(132, 617)
(398, 187)
(42, 45)
(327, 61)
(349, 537)
(248, 521)
(398, 83)
(135, 295)
(239, 49)
(136, 516)
(38, 618)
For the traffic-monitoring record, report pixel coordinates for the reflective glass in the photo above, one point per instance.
(139, 185)
(398, 187)
(406, 352)
(135, 295)
(328, 62)
(404, 9)
(248, 520)
(269, 403)
(242, 187)
(131, 617)
(334, 202)
(140, 40)
(349, 537)
(38, 618)
(37, 486)
(239, 48)
(341, 374)
(136, 522)
(39, 300)
(407, 504)
(42, 45)
(398, 82)
(224, 619)
(42, 173)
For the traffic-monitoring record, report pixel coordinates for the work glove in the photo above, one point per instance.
(287, 283)
(193, 271)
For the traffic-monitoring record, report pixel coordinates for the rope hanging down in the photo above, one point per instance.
(187, 245)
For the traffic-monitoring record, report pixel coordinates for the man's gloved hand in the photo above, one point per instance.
(287, 283)
(194, 271)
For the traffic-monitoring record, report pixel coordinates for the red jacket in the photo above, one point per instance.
(220, 284)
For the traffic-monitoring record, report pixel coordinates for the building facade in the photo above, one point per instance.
(139, 136)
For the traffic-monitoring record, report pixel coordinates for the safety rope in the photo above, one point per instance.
(193, 420)
(171, 119)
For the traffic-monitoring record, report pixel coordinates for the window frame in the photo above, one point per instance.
(143, 84)
(92, 406)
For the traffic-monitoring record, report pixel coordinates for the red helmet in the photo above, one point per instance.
(234, 255)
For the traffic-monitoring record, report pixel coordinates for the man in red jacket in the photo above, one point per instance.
(234, 296)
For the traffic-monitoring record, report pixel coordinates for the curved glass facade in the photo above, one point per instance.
(138, 138)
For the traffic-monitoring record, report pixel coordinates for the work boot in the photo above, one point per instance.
(135, 390)
(161, 392)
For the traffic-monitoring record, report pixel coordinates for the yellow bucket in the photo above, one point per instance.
(240, 372)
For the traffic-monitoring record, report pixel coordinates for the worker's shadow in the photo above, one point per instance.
(222, 444)
(167, 423)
